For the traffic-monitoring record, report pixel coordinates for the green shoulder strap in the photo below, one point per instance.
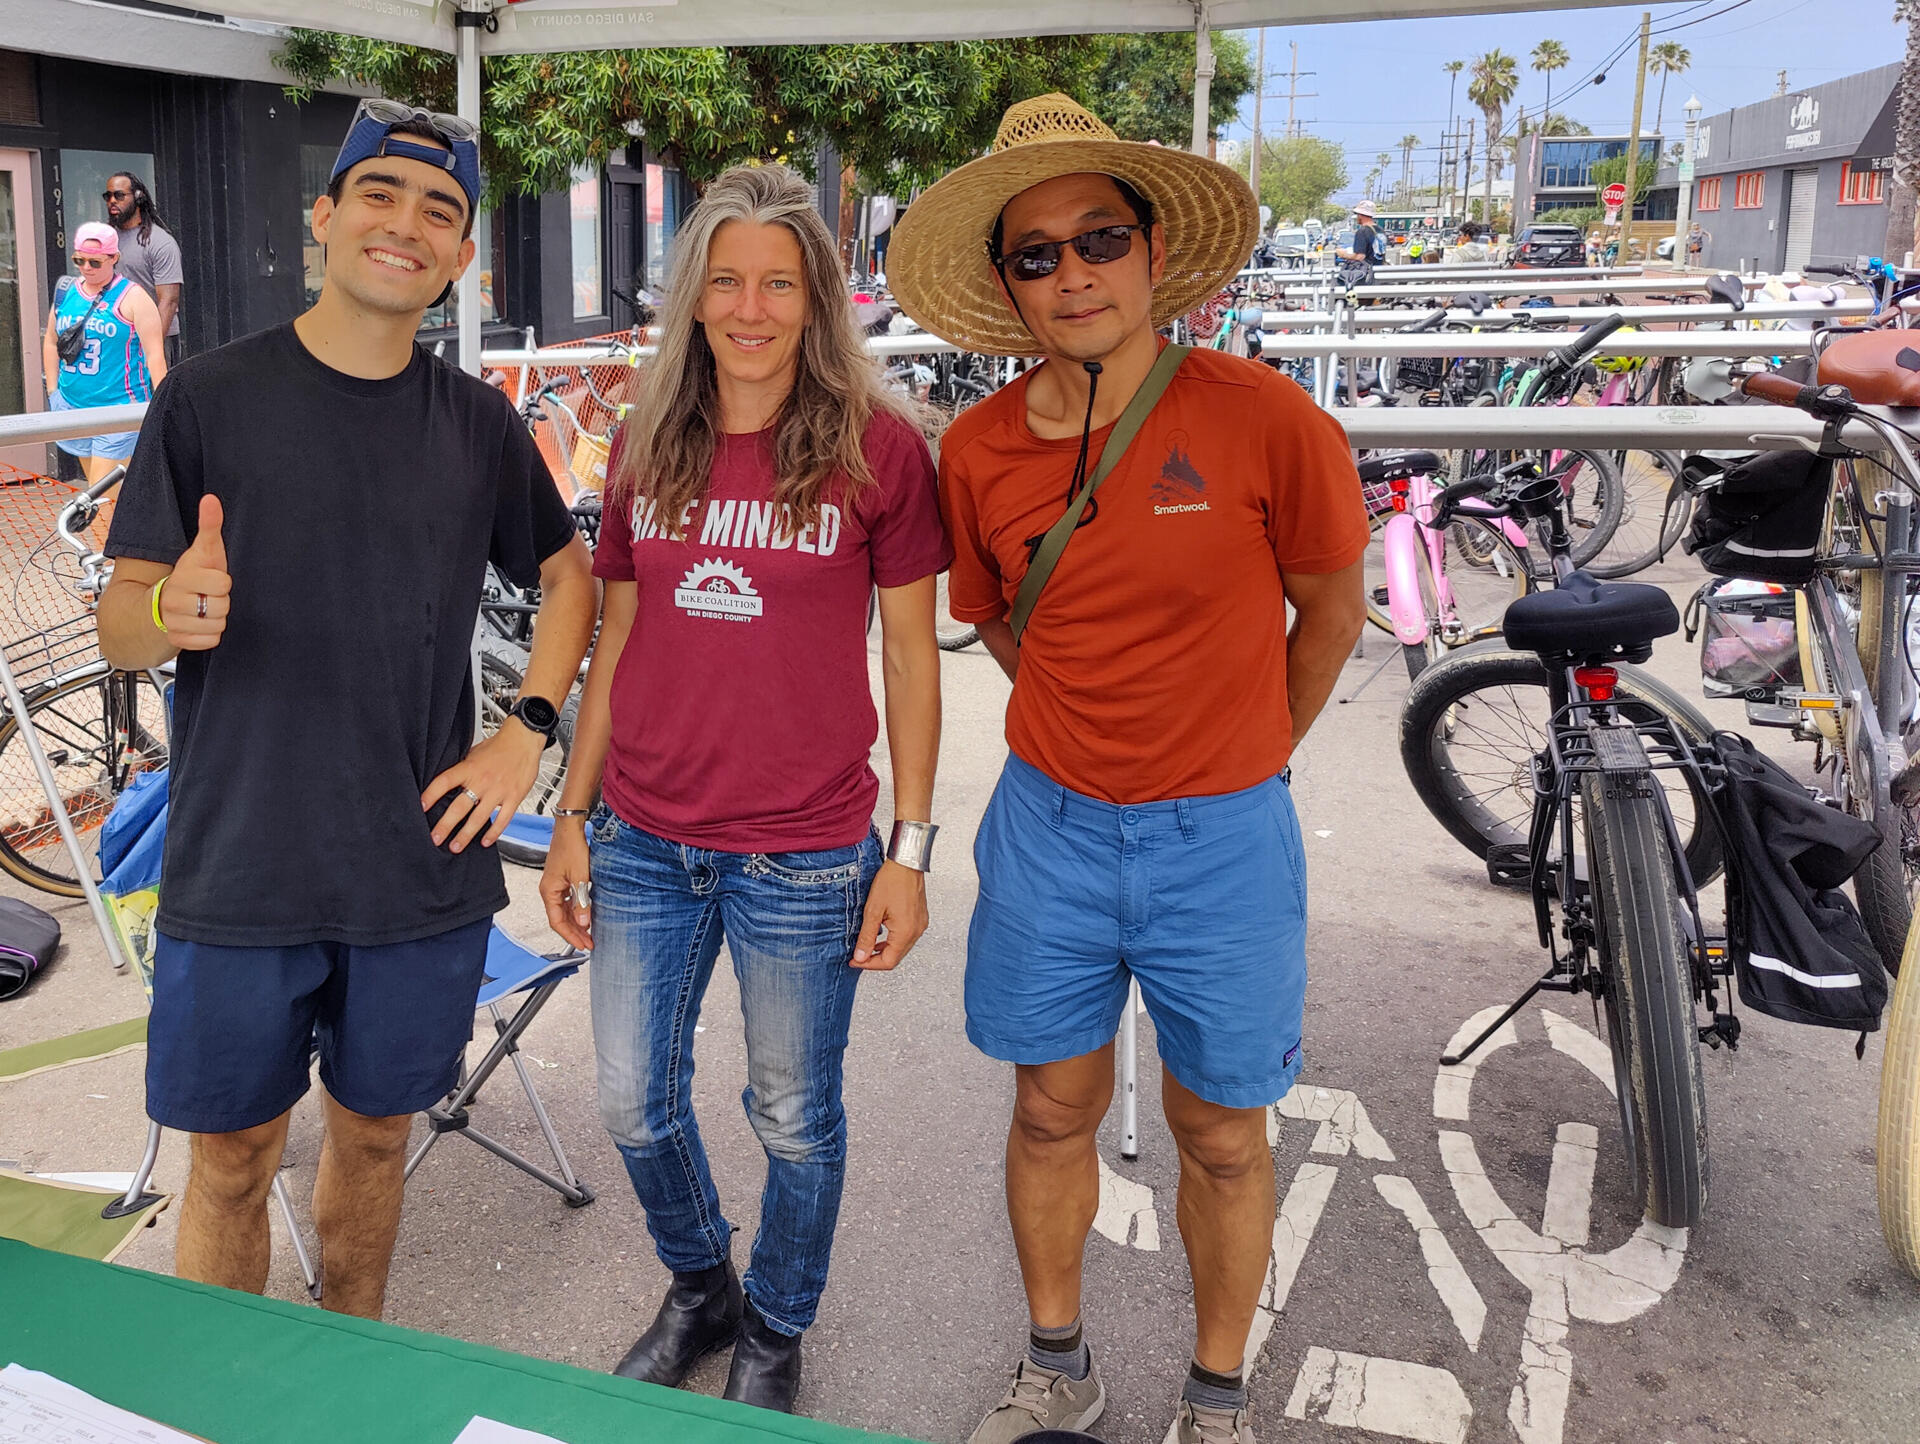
(1118, 440)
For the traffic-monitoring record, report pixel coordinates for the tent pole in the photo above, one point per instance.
(1202, 76)
(470, 17)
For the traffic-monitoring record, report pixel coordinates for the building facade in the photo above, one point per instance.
(1798, 179)
(197, 109)
(1559, 175)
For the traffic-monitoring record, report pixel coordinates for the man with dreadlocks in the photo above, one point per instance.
(149, 255)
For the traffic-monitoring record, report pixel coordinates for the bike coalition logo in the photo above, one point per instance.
(717, 589)
(1179, 487)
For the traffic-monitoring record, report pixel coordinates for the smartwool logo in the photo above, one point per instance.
(1179, 487)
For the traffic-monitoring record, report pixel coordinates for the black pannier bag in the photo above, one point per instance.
(1761, 517)
(28, 940)
(1798, 946)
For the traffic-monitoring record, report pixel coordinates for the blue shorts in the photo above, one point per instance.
(233, 1030)
(1203, 900)
(116, 446)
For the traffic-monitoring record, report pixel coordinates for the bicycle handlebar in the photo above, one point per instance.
(106, 483)
(1587, 342)
(1824, 401)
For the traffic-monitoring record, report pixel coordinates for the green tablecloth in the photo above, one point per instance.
(237, 1369)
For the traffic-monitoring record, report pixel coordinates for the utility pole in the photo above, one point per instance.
(1633, 138)
(1780, 84)
(1202, 76)
(1259, 88)
(1466, 162)
(1294, 92)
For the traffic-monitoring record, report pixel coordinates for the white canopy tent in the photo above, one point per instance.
(472, 28)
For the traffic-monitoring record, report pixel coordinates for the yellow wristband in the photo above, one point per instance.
(154, 598)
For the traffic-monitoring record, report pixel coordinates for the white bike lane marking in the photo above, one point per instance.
(1397, 1398)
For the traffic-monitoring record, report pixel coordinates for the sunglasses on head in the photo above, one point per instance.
(1096, 247)
(93, 263)
(450, 128)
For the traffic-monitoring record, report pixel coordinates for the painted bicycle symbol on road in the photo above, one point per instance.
(1564, 1278)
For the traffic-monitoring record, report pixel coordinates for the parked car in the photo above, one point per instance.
(1290, 246)
(1665, 249)
(1545, 246)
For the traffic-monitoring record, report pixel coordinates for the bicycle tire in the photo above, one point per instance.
(1647, 991)
(1897, 1151)
(1480, 817)
(77, 722)
(1498, 572)
(1655, 483)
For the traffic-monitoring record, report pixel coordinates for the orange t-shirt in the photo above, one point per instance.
(1155, 662)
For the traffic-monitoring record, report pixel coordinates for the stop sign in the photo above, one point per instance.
(1615, 194)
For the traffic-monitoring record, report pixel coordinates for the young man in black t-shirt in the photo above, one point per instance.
(307, 522)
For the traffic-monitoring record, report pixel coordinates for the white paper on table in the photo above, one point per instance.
(37, 1408)
(491, 1431)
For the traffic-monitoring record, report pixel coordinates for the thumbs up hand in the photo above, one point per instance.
(194, 602)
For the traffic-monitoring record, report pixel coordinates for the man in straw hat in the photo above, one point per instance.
(1142, 827)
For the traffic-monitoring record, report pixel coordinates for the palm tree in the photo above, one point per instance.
(1373, 180)
(1669, 57)
(1408, 143)
(1549, 56)
(1496, 76)
(1906, 133)
(1453, 69)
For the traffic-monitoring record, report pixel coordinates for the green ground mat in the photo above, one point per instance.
(94, 1043)
(65, 1217)
(237, 1369)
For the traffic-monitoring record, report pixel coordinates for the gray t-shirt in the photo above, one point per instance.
(151, 264)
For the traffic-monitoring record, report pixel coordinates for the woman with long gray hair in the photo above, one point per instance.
(763, 487)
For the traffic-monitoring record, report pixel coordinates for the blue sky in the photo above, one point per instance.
(1380, 80)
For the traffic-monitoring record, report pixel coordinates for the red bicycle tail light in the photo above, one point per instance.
(1398, 486)
(1597, 682)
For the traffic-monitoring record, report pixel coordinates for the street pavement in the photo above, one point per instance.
(1460, 1264)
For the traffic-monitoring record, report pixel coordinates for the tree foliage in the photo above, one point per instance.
(900, 114)
(1142, 85)
(1299, 174)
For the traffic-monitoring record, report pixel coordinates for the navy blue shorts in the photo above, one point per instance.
(1202, 900)
(230, 1041)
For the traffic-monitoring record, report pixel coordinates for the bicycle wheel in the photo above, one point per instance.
(951, 635)
(99, 730)
(1483, 572)
(499, 688)
(1470, 729)
(1653, 514)
(1647, 987)
(1596, 499)
(1897, 1156)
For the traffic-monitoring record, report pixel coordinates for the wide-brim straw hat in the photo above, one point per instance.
(938, 264)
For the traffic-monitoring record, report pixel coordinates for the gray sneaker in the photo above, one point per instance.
(1196, 1424)
(1042, 1399)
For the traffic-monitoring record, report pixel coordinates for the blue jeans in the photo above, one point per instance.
(660, 912)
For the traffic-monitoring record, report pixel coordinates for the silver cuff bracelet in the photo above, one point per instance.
(912, 845)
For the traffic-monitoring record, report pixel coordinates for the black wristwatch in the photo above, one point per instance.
(537, 714)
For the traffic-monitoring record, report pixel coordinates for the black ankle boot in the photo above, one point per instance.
(701, 1313)
(766, 1366)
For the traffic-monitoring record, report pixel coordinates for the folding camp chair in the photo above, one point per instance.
(511, 971)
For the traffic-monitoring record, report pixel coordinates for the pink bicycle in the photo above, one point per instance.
(1435, 588)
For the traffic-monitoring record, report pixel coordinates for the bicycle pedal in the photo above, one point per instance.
(1772, 714)
(1510, 864)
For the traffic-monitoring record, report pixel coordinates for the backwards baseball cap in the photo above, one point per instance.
(371, 134)
(95, 238)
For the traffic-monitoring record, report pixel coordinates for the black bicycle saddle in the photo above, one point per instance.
(1586, 617)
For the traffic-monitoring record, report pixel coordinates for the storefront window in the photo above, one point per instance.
(316, 162)
(1749, 190)
(83, 179)
(656, 237)
(1709, 194)
(583, 206)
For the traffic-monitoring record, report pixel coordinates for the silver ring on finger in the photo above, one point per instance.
(471, 793)
(200, 606)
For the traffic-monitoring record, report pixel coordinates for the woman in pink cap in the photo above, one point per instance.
(116, 356)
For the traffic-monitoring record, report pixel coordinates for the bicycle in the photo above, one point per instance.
(1864, 700)
(99, 727)
(1604, 851)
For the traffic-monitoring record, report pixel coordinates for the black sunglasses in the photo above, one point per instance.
(1096, 247)
(116, 195)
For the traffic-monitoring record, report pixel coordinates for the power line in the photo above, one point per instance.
(1669, 29)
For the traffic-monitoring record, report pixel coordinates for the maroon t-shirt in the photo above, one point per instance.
(743, 718)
